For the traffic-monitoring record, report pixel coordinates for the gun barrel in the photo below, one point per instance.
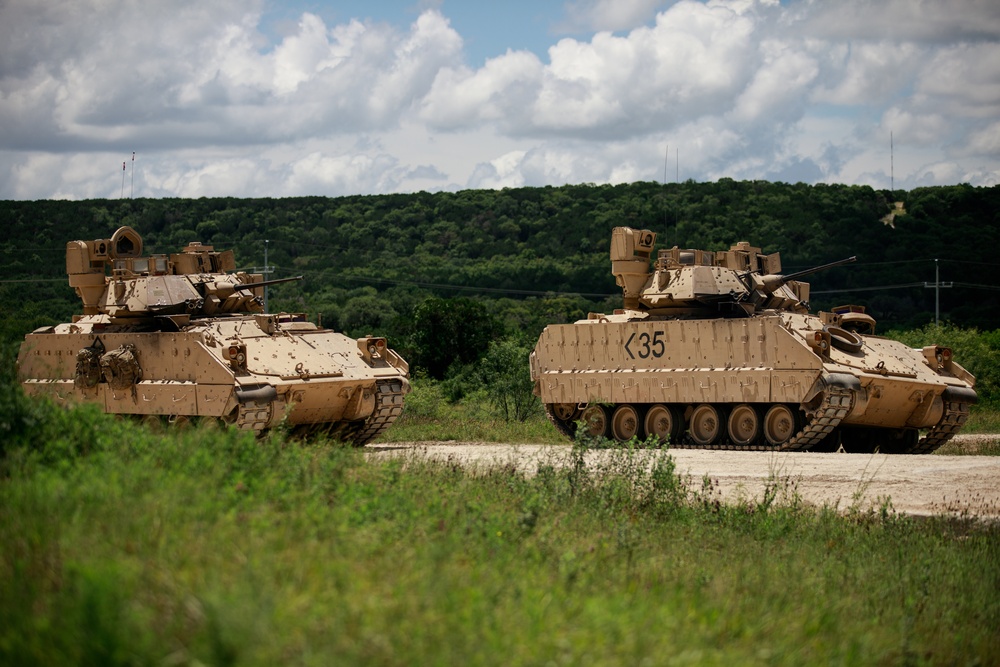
(817, 269)
(265, 283)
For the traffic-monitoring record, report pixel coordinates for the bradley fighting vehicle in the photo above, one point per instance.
(179, 335)
(719, 350)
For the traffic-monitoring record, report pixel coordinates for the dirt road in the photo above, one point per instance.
(919, 485)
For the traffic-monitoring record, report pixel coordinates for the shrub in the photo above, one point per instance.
(507, 378)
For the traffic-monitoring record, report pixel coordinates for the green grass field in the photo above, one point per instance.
(122, 545)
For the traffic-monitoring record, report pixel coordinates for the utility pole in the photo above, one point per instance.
(937, 285)
(265, 272)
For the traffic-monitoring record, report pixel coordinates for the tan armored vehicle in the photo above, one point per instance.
(719, 350)
(179, 335)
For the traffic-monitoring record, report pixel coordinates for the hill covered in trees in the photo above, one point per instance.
(511, 261)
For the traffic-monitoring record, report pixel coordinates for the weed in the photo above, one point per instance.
(974, 445)
(858, 509)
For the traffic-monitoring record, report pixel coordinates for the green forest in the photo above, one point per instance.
(444, 274)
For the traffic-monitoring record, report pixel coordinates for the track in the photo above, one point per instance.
(388, 406)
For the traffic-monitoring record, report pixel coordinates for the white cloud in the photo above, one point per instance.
(864, 73)
(212, 179)
(779, 88)
(342, 173)
(193, 74)
(301, 56)
(80, 72)
(965, 79)
(461, 97)
(744, 88)
(984, 142)
(503, 172)
(696, 58)
(919, 129)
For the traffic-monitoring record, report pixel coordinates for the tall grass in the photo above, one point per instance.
(123, 545)
(983, 419)
(429, 416)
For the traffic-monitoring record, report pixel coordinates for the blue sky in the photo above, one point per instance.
(266, 98)
(489, 28)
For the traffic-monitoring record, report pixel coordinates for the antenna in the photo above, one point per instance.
(123, 180)
(892, 168)
(677, 179)
(131, 189)
(666, 159)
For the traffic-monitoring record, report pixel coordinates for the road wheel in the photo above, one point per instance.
(152, 422)
(744, 425)
(565, 425)
(595, 421)
(706, 425)
(179, 422)
(663, 422)
(564, 411)
(780, 424)
(624, 423)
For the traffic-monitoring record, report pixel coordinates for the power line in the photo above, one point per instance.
(404, 283)
(34, 280)
(975, 286)
(500, 290)
(865, 289)
(411, 283)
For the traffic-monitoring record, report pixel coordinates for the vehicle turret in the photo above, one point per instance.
(700, 283)
(113, 278)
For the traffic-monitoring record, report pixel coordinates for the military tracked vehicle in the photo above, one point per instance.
(183, 336)
(719, 350)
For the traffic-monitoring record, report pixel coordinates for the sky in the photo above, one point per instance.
(262, 98)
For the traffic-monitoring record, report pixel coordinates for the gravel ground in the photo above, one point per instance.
(919, 485)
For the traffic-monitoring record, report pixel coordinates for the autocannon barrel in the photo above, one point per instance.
(265, 283)
(817, 269)
(773, 281)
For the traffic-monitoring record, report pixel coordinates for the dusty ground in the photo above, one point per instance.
(919, 485)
